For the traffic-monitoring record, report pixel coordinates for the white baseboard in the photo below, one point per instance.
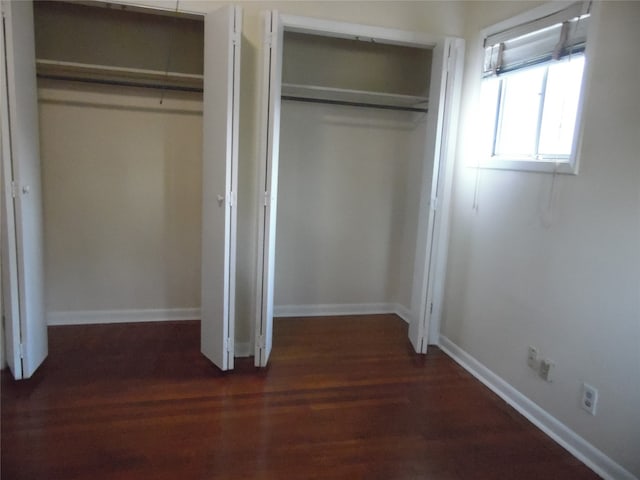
(326, 310)
(403, 312)
(584, 451)
(121, 316)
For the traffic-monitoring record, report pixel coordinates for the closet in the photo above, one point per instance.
(356, 151)
(121, 155)
(364, 157)
(138, 114)
(353, 116)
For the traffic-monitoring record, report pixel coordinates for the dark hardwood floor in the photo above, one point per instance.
(343, 398)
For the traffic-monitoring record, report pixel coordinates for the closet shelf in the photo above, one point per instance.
(110, 75)
(341, 96)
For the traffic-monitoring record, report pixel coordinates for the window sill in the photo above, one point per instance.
(541, 166)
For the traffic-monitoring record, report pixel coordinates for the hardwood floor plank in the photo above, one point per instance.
(343, 398)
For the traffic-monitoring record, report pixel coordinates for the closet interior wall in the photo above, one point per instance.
(121, 165)
(349, 177)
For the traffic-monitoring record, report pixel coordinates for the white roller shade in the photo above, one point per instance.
(541, 40)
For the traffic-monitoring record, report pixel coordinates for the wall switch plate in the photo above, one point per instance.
(589, 399)
(532, 357)
(546, 369)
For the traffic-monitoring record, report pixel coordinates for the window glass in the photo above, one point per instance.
(560, 107)
(519, 110)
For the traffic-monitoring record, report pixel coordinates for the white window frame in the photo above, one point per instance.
(567, 164)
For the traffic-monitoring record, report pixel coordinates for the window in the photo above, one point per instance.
(531, 89)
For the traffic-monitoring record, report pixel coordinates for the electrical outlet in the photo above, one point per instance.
(546, 369)
(532, 357)
(589, 399)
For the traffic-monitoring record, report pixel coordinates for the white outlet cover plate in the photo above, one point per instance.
(589, 400)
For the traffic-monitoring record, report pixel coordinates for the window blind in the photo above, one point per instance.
(552, 37)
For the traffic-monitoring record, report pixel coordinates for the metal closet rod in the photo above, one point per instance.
(181, 88)
(122, 83)
(354, 104)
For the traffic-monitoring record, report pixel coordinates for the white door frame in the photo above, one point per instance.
(431, 245)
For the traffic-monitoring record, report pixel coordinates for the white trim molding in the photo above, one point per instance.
(403, 312)
(89, 317)
(584, 451)
(340, 309)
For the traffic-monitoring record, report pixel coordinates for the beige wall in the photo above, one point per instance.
(555, 263)
(347, 205)
(349, 177)
(121, 181)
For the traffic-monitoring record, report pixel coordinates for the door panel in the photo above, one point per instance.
(219, 176)
(430, 248)
(444, 183)
(21, 146)
(8, 255)
(420, 300)
(271, 87)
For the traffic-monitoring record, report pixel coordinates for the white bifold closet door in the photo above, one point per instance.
(433, 220)
(219, 176)
(422, 298)
(22, 243)
(270, 150)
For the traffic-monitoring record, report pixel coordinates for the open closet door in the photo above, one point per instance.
(8, 255)
(270, 124)
(428, 283)
(22, 243)
(219, 176)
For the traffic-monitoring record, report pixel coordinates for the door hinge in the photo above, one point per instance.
(450, 59)
(434, 204)
(232, 199)
(228, 345)
(14, 189)
(21, 350)
(268, 38)
(262, 341)
(266, 199)
(235, 37)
